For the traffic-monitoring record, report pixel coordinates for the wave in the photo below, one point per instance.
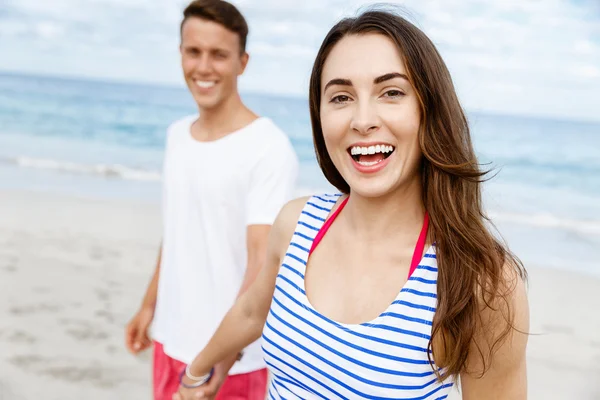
(581, 165)
(117, 171)
(546, 220)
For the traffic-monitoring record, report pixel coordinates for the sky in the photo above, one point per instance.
(531, 57)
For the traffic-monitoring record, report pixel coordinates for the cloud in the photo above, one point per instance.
(505, 56)
(585, 47)
(586, 71)
(49, 30)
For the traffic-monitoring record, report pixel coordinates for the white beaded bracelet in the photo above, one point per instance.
(200, 380)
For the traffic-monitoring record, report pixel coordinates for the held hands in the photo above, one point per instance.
(136, 332)
(206, 391)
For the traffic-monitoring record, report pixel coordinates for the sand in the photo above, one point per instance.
(73, 271)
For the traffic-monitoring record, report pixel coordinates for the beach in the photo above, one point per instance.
(73, 271)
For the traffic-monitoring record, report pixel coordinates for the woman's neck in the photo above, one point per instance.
(398, 213)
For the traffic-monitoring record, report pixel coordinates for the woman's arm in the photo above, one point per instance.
(506, 375)
(244, 322)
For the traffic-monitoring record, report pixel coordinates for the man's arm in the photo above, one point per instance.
(136, 332)
(149, 300)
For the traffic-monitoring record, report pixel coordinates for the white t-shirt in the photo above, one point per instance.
(212, 191)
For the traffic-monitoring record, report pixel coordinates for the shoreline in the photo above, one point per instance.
(73, 271)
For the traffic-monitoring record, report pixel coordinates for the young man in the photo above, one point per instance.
(227, 172)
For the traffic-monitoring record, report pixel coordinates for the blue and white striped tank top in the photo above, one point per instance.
(311, 356)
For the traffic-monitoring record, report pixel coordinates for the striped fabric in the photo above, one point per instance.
(313, 357)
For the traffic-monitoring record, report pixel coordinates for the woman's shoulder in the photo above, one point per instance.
(285, 224)
(318, 202)
(290, 212)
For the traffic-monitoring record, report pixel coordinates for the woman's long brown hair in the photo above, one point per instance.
(470, 259)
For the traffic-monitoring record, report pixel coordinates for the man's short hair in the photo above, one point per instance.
(222, 13)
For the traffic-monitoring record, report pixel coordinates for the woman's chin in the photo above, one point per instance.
(370, 188)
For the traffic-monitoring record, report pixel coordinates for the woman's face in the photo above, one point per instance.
(370, 115)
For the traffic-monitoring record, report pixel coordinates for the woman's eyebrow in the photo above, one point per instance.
(389, 76)
(379, 79)
(338, 81)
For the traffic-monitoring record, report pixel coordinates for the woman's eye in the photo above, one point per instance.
(393, 93)
(340, 99)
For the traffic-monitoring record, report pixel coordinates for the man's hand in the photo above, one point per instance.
(136, 332)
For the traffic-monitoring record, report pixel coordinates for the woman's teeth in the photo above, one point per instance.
(358, 150)
(371, 155)
(369, 163)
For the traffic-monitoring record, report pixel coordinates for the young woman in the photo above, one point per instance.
(394, 288)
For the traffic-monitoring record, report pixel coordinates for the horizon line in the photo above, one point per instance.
(292, 96)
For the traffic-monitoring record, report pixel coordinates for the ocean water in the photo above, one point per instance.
(106, 140)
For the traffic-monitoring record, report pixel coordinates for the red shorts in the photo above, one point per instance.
(250, 386)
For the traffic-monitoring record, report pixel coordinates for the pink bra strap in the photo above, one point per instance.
(420, 247)
(326, 225)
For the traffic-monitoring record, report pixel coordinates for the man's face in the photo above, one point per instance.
(211, 61)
